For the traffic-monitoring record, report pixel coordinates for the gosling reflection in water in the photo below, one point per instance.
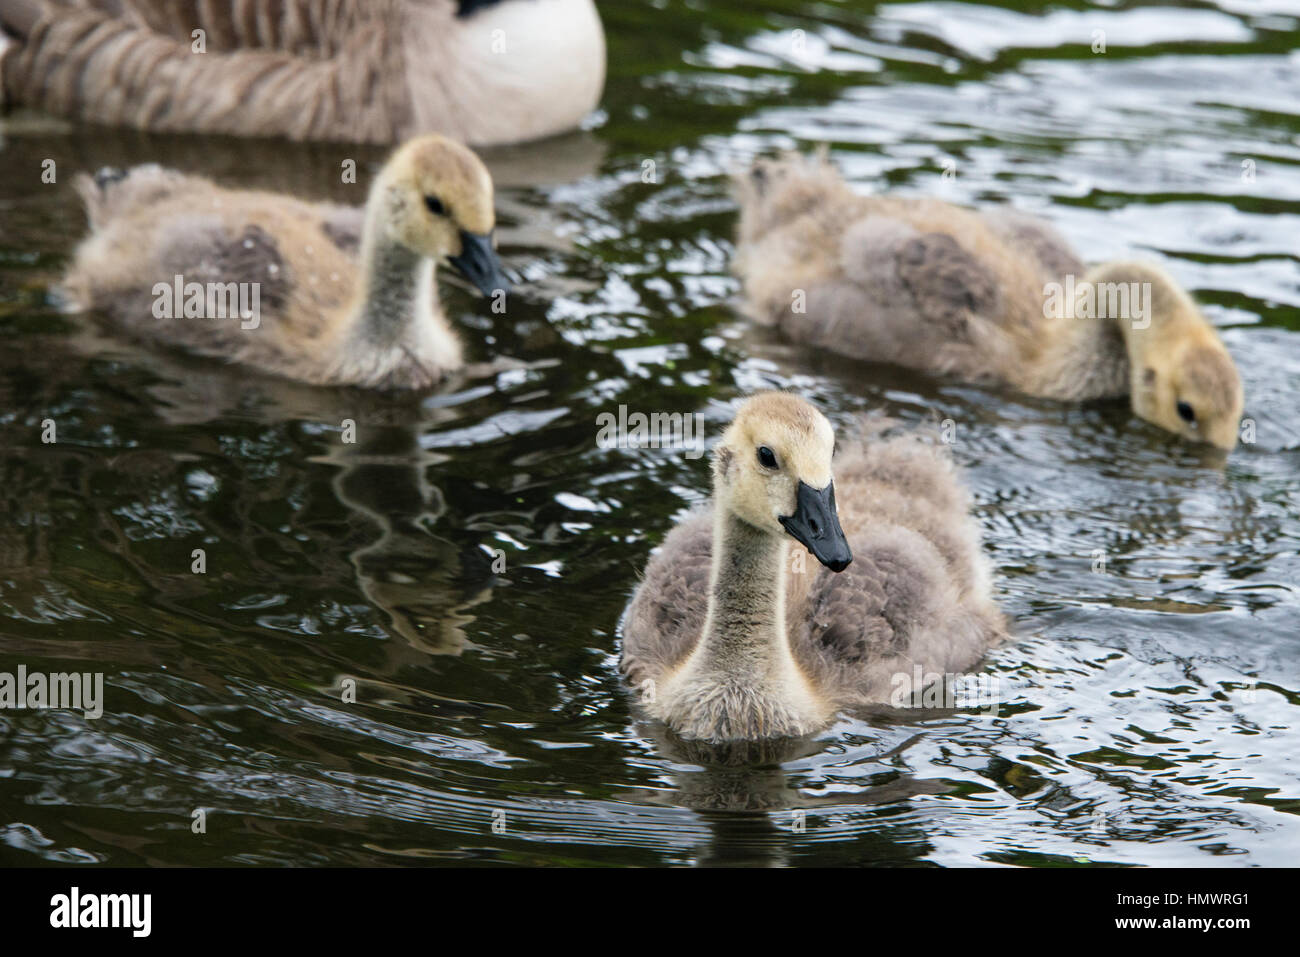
(757, 815)
(423, 582)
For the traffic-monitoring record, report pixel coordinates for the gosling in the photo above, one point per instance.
(983, 297)
(342, 296)
(731, 637)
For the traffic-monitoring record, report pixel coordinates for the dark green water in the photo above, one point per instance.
(1148, 711)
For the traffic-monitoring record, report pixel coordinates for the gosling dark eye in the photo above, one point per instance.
(435, 205)
(1186, 412)
(766, 457)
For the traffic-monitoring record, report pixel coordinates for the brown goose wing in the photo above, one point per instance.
(306, 69)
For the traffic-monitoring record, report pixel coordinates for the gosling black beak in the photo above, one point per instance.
(478, 263)
(816, 524)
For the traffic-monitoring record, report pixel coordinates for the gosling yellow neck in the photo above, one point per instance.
(742, 681)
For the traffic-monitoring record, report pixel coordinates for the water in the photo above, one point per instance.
(1148, 709)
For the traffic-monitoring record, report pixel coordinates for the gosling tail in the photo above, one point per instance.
(111, 190)
(773, 190)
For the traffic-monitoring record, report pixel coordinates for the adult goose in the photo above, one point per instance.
(379, 71)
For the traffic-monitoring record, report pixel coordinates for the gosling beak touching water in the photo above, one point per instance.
(978, 296)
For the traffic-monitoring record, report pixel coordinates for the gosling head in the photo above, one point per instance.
(1182, 377)
(1192, 390)
(772, 469)
(435, 197)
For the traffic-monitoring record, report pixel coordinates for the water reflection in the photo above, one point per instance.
(425, 583)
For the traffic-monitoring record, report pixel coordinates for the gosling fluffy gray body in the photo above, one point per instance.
(924, 284)
(343, 296)
(916, 593)
(914, 282)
